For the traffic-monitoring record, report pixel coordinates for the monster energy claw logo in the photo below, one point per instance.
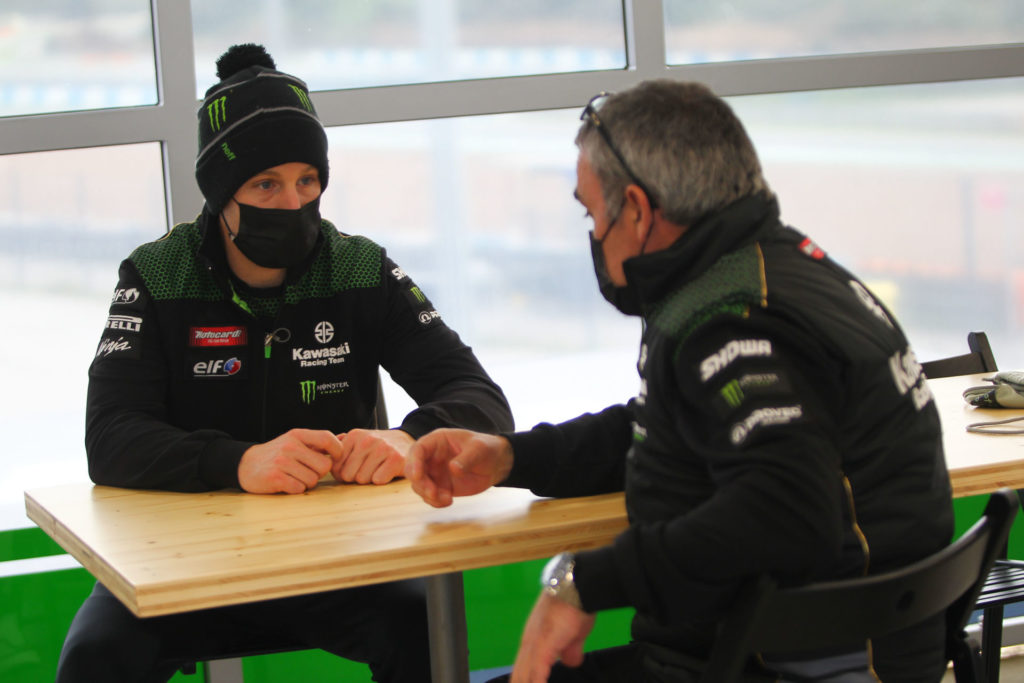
(303, 97)
(218, 112)
(732, 393)
(308, 388)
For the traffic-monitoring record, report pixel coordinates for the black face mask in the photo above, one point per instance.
(276, 238)
(625, 298)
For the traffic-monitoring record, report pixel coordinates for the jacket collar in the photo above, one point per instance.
(710, 238)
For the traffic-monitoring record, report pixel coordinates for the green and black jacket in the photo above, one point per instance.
(193, 367)
(782, 426)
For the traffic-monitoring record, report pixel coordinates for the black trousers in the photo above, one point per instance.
(911, 656)
(384, 626)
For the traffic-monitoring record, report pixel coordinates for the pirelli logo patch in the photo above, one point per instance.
(217, 336)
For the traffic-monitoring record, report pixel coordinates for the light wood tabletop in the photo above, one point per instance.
(977, 463)
(163, 552)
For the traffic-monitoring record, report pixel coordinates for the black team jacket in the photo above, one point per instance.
(782, 425)
(193, 367)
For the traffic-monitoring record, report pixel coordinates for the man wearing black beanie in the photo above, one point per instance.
(243, 351)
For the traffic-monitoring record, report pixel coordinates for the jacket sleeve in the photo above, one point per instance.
(429, 360)
(776, 506)
(128, 440)
(581, 457)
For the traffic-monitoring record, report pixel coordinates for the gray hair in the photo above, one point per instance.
(681, 140)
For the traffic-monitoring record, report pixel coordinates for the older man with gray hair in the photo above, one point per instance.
(782, 424)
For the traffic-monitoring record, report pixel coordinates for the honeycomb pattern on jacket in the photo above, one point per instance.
(732, 285)
(345, 262)
(170, 268)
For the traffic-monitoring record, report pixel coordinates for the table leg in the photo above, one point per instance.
(446, 615)
(224, 671)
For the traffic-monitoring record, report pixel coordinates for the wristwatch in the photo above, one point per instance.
(557, 580)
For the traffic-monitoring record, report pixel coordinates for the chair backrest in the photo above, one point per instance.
(980, 359)
(833, 614)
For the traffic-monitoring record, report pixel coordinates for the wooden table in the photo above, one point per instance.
(978, 463)
(162, 553)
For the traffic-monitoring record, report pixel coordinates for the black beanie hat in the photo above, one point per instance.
(255, 118)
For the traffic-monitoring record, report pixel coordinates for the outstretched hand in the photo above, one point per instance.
(456, 462)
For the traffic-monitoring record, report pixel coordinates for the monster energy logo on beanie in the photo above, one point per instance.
(255, 118)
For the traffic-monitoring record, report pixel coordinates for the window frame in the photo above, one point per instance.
(171, 122)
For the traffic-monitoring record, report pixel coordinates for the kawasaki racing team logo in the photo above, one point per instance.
(322, 357)
(217, 111)
(323, 332)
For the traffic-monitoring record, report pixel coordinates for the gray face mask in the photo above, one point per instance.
(276, 238)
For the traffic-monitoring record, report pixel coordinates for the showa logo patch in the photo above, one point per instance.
(736, 348)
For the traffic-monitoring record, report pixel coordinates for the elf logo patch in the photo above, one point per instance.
(217, 368)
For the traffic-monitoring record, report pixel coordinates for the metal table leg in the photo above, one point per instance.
(446, 615)
(224, 671)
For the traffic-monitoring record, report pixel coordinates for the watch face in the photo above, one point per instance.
(557, 579)
(558, 569)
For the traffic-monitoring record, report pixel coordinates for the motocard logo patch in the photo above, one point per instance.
(217, 336)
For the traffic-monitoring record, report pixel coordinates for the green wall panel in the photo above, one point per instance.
(36, 609)
(36, 612)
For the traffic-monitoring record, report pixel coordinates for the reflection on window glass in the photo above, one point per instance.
(699, 31)
(919, 190)
(479, 212)
(69, 55)
(352, 44)
(67, 219)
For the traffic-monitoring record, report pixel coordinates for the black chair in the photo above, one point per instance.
(980, 359)
(1005, 582)
(835, 614)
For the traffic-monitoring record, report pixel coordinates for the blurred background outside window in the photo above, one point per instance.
(919, 189)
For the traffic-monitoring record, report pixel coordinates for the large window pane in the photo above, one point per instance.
(335, 45)
(479, 211)
(700, 31)
(66, 220)
(919, 189)
(63, 55)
